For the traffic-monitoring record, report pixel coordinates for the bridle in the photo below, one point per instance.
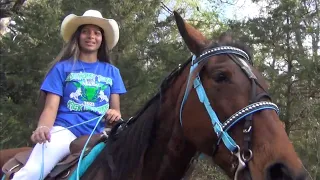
(242, 59)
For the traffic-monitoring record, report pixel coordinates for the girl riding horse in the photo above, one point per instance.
(74, 85)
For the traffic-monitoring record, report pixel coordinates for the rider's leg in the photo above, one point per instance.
(54, 152)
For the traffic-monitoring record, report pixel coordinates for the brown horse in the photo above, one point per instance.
(159, 142)
(197, 110)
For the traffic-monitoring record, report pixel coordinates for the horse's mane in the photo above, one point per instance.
(128, 141)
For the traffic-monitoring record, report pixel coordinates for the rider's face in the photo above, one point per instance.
(90, 38)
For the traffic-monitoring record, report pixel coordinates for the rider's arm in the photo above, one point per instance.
(117, 88)
(115, 102)
(50, 110)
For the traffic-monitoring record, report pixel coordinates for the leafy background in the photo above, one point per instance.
(285, 39)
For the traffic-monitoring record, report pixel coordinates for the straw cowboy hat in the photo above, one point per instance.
(110, 27)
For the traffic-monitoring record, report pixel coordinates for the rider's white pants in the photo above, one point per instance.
(54, 152)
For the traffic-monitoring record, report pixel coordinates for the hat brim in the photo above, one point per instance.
(110, 27)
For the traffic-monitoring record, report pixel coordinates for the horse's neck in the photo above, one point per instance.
(169, 154)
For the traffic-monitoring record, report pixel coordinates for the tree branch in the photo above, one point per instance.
(7, 11)
(3, 3)
(226, 2)
(17, 5)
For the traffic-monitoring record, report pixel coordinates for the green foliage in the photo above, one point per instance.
(25, 55)
(285, 43)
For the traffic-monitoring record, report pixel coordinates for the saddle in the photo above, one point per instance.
(64, 168)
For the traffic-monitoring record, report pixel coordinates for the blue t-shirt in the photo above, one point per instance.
(85, 90)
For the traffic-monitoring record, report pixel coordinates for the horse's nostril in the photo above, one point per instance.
(278, 171)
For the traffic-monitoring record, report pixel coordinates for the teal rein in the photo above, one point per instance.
(83, 150)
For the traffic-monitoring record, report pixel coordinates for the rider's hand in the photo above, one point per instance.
(41, 135)
(112, 116)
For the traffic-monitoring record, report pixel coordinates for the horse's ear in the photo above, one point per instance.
(191, 36)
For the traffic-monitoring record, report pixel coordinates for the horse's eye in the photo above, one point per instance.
(220, 77)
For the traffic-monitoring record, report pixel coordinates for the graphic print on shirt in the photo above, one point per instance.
(89, 93)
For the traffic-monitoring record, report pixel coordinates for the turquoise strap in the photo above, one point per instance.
(217, 126)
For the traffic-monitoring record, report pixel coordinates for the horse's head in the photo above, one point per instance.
(227, 113)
